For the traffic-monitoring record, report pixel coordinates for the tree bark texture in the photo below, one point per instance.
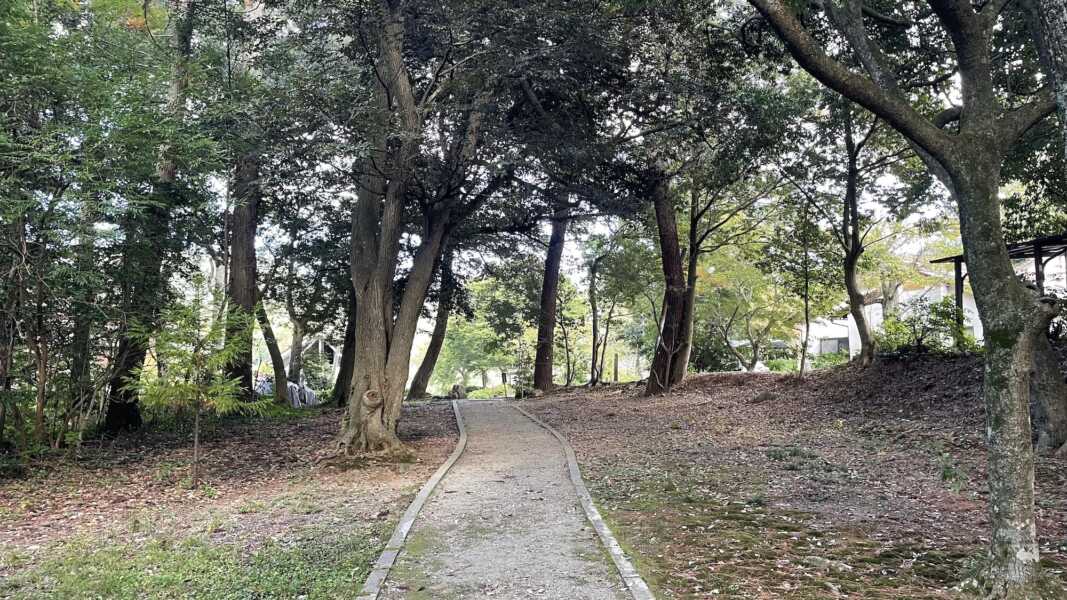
(343, 385)
(383, 346)
(1053, 38)
(680, 363)
(594, 364)
(440, 327)
(851, 238)
(281, 388)
(546, 323)
(659, 377)
(296, 351)
(241, 286)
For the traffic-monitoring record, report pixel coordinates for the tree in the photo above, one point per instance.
(193, 350)
(799, 258)
(1052, 39)
(149, 231)
(547, 318)
(834, 175)
(968, 162)
(746, 310)
(445, 307)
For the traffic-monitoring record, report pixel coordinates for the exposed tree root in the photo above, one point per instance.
(986, 585)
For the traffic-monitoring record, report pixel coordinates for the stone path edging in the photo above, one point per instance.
(373, 585)
(634, 583)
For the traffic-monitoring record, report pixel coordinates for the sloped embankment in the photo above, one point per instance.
(858, 482)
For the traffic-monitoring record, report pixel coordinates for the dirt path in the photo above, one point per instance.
(504, 523)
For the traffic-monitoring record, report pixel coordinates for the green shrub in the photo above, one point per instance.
(830, 359)
(782, 365)
(493, 391)
(923, 326)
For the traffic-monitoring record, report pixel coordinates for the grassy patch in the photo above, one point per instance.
(316, 562)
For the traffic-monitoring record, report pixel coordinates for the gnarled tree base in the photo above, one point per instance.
(990, 585)
(368, 435)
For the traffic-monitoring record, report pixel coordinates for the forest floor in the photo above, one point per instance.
(120, 520)
(848, 483)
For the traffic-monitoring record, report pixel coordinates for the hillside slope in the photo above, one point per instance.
(848, 482)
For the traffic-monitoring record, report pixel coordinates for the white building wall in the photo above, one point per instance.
(1055, 281)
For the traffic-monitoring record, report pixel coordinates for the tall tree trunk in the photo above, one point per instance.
(1014, 321)
(296, 351)
(143, 266)
(680, 364)
(606, 338)
(376, 232)
(242, 274)
(343, 385)
(1048, 397)
(1053, 42)
(659, 376)
(1052, 39)
(281, 388)
(856, 304)
(383, 354)
(594, 363)
(546, 324)
(147, 242)
(852, 239)
(437, 341)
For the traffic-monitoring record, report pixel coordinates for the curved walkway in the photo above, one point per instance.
(504, 522)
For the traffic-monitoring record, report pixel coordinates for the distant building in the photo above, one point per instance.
(830, 335)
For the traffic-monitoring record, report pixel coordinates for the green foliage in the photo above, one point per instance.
(829, 359)
(782, 365)
(190, 351)
(493, 391)
(317, 371)
(922, 326)
(710, 354)
(739, 303)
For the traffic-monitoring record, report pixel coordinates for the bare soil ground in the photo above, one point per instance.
(262, 501)
(848, 483)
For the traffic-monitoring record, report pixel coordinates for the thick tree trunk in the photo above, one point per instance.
(437, 340)
(1048, 397)
(680, 364)
(143, 266)
(296, 351)
(856, 304)
(147, 242)
(383, 357)
(659, 377)
(1014, 322)
(546, 324)
(242, 289)
(343, 385)
(969, 163)
(281, 389)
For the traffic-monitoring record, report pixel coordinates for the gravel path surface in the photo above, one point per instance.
(504, 523)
